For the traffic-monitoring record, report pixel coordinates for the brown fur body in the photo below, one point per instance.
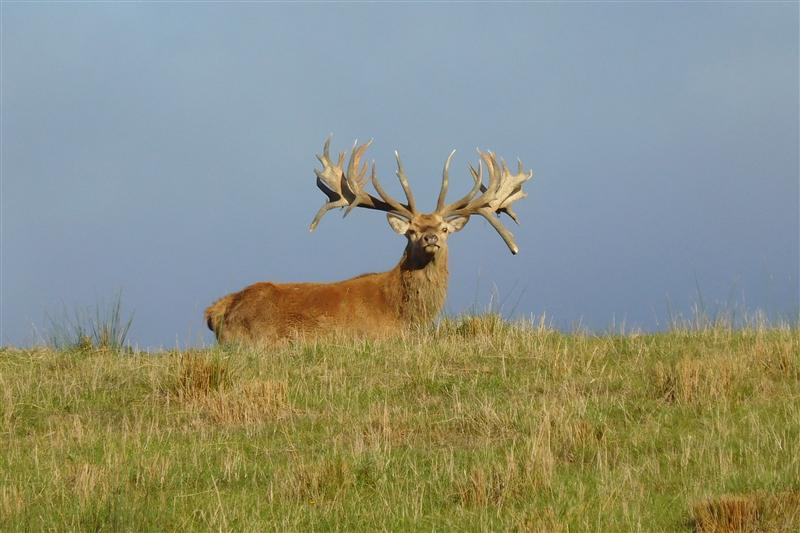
(369, 305)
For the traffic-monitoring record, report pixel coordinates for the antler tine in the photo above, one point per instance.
(445, 180)
(491, 166)
(396, 206)
(477, 177)
(355, 174)
(326, 154)
(322, 210)
(507, 236)
(401, 175)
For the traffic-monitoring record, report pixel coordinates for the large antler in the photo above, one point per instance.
(346, 189)
(503, 190)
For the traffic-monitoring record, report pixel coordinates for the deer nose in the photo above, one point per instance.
(430, 238)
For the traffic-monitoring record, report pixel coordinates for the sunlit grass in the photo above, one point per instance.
(477, 424)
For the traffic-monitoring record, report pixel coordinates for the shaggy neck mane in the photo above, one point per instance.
(422, 286)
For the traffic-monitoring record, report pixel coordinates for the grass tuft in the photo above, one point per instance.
(208, 389)
(748, 513)
(199, 376)
(474, 325)
(99, 327)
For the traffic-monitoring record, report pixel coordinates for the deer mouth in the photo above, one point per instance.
(432, 248)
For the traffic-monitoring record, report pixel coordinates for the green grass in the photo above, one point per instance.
(480, 425)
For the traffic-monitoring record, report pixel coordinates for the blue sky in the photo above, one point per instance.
(167, 151)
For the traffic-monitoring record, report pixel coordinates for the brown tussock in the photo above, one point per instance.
(204, 386)
(697, 381)
(748, 513)
(249, 403)
(198, 376)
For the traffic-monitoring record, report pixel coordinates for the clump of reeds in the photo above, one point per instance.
(99, 327)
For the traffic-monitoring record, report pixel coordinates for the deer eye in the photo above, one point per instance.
(444, 229)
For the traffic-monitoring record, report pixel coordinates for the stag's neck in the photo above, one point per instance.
(421, 286)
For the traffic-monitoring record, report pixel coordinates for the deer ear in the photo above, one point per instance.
(457, 223)
(398, 224)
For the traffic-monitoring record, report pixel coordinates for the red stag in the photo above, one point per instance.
(376, 304)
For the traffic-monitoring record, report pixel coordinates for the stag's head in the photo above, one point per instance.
(426, 233)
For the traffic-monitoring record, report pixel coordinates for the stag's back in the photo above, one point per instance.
(365, 306)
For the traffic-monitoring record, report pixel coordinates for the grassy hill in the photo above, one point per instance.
(480, 425)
